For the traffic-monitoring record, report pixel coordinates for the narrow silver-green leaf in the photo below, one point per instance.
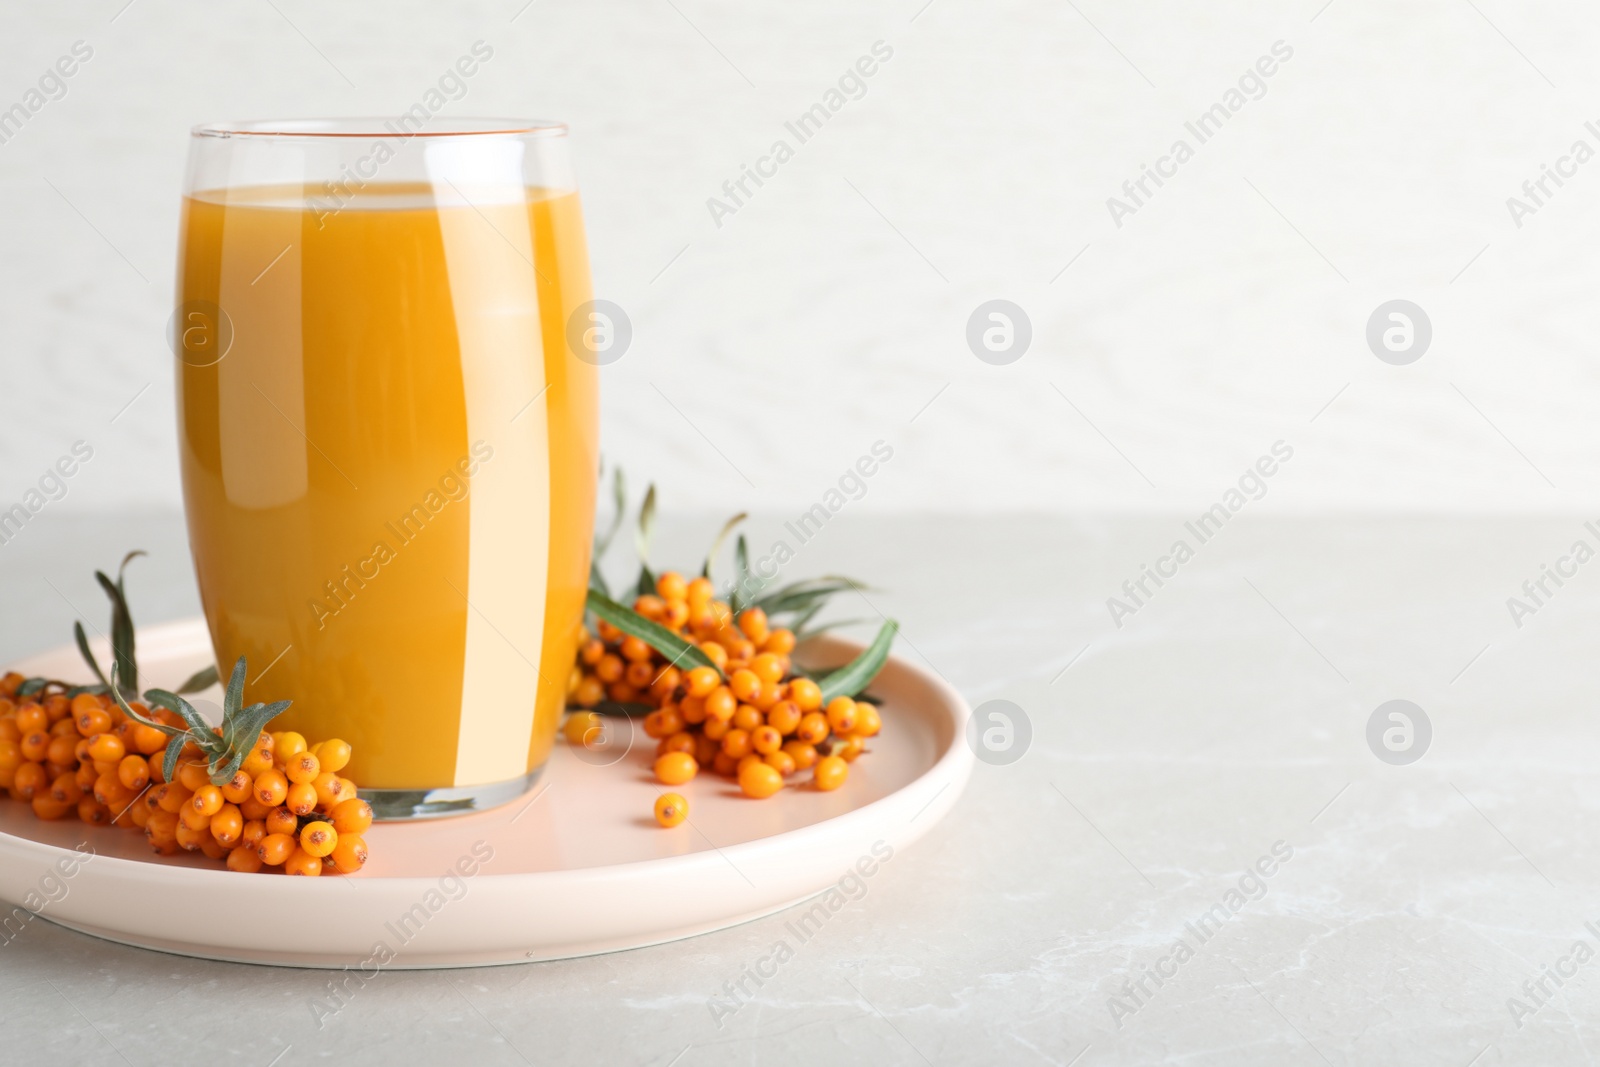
(646, 530)
(88, 656)
(169, 763)
(127, 709)
(856, 675)
(200, 680)
(716, 544)
(619, 500)
(162, 698)
(679, 652)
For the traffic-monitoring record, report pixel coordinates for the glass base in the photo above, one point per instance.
(407, 805)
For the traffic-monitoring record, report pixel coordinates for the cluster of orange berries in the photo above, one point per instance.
(286, 807)
(758, 727)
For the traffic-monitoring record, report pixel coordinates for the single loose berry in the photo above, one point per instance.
(671, 809)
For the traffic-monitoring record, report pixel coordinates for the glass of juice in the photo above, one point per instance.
(389, 447)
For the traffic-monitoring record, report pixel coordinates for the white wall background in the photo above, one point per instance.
(816, 320)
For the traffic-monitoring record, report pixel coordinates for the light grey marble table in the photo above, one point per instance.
(1225, 721)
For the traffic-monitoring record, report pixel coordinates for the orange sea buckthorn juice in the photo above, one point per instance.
(389, 455)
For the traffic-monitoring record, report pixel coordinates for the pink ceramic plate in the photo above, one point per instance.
(577, 867)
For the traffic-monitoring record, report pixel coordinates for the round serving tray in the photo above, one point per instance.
(577, 866)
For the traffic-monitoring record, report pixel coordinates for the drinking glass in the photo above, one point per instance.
(388, 446)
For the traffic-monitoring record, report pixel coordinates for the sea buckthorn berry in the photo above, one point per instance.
(842, 716)
(275, 848)
(640, 674)
(109, 790)
(805, 693)
(227, 825)
(670, 585)
(780, 761)
(193, 775)
(36, 746)
(253, 809)
(137, 813)
(590, 692)
(107, 748)
(212, 850)
(721, 704)
(716, 729)
(768, 668)
(830, 773)
(698, 592)
(31, 718)
(10, 754)
(765, 739)
(693, 710)
(286, 745)
(92, 721)
(350, 854)
(353, 816)
(244, 860)
(47, 807)
(280, 820)
(251, 833)
(746, 717)
(771, 693)
(868, 722)
(66, 790)
(665, 682)
(349, 787)
(682, 741)
(702, 680)
(648, 605)
(803, 754)
(207, 800)
(724, 764)
(813, 728)
(745, 684)
(333, 754)
(591, 651)
(676, 768)
(63, 750)
(271, 787)
(609, 669)
(780, 642)
(301, 798)
(145, 739)
(736, 743)
(675, 616)
(330, 790)
(302, 767)
(189, 836)
(784, 716)
(93, 812)
(582, 728)
(133, 772)
(663, 722)
(671, 809)
(64, 728)
(319, 838)
(753, 624)
(705, 749)
(715, 653)
(302, 862)
(194, 820)
(759, 779)
(636, 650)
(57, 706)
(239, 788)
(847, 748)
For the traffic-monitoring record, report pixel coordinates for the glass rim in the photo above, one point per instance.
(380, 128)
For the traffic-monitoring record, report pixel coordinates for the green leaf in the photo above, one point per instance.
(162, 698)
(619, 500)
(169, 763)
(856, 675)
(679, 652)
(127, 709)
(646, 530)
(31, 686)
(122, 633)
(200, 680)
(646, 583)
(716, 544)
(743, 584)
(83, 650)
